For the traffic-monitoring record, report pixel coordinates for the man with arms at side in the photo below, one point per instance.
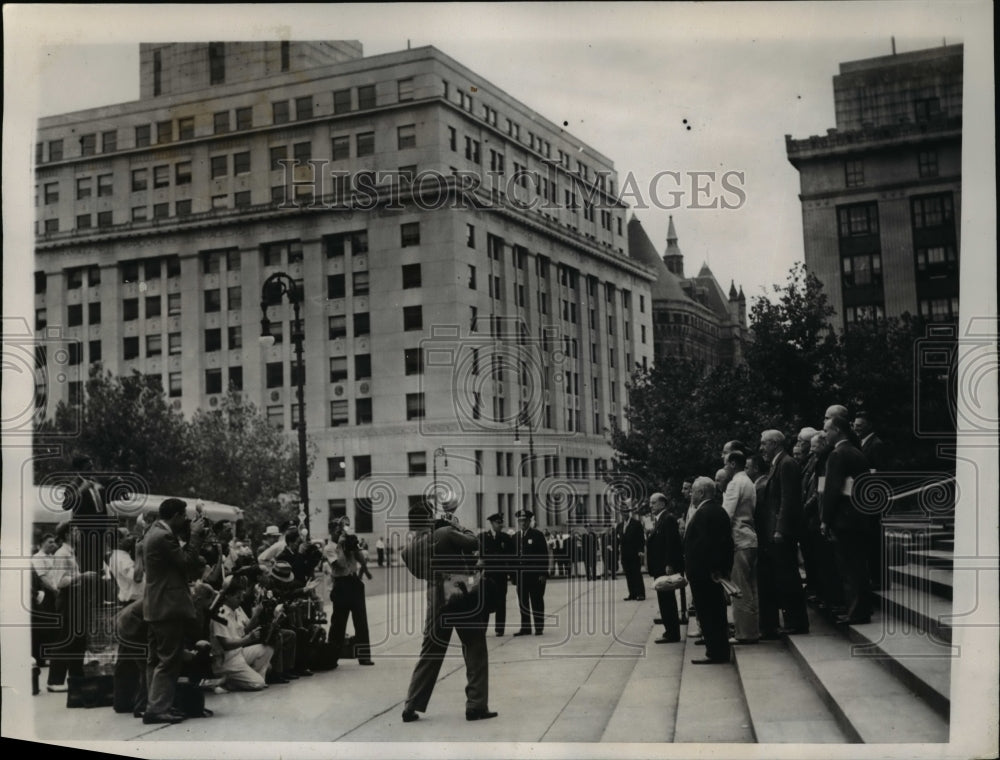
(532, 567)
(740, 501)
(708, 556)
(167, 604)
(877, 455)
(633, 545)
(665, 556)
(495, 550)
(778, 565)
(847, 526)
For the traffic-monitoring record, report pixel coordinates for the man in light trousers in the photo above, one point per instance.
(739, 501)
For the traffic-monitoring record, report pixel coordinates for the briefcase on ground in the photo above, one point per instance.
(90, 691)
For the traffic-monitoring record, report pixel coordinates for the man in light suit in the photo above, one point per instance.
(779, 584)
(167, 604)
(847, 527)
(740, 502)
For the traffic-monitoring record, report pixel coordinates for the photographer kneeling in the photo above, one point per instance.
(241, 659)
(348, 594)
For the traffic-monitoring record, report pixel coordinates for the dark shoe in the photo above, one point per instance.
(700, 641)
(276, 680)
(409, 716)
(59, 687)
(303, 672)
(667, 640)
(138, 713)
(628, 599)
(365, 662)
(657, 621)
(499, 633)
(522, 633)
(538, 633)
(480, 714)
(708, 661)
(640, 598)
(153, 718)
(290, 675)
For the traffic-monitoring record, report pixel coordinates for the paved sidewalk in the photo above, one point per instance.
(563, 686)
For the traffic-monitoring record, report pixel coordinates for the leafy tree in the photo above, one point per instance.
(792, 348)
(125, 425)
(241, 459)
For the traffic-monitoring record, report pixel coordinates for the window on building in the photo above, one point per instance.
(109, 141)
(153, 306)
(854, 173)
(84, 221)
(363, 411)
(241, 163)
(244, 118)
(933, 211)
(51, 225)
(415, 406)
(338, 413)
(362, 324)
(213, 300)
(405, 89)
(185, 128)
(173, 304)
(858, 220)
(337, 326)
(83, 187)
(139, 180)
(164, 131)
(366, 97)
(278, 154)
(416, 463)
(413, 359)
(213, 339)
(161, 176)
(217, 62)
(130, 348)
(335, 286)
(241, 199)
(413, 318)
(336, 469)
(304, 107)
(235, 337)
(411, 276)
(219, 166)
(362, 366)
(142, 135)
(220, 122)
(51, 193)
(74, 315)
(94, 313)
(274, 374)
(365, 144)
(130, 309)
(409, 234)
(279, 112)
(276, 416)
(338, 369)
(927, 163)
(359, 283)
(406, 136)
(105, 219)
(154, 345)
(341, 101)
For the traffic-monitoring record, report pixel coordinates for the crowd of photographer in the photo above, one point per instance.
(186, 607)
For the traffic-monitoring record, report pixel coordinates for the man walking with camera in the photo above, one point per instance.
(348, 594)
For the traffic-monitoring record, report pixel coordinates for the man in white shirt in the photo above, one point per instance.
(240, 657)
(740, 501)
(126, 572)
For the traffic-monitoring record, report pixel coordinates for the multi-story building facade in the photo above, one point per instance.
(881, 192)
(693, 317)
(463, 262)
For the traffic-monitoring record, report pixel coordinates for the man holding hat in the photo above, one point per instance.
(531, 568)
(496, 549)
(167, 604)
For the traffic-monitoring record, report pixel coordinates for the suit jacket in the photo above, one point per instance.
(167, 595)
(496, 551)
(664, 547)
(844, 463)
(531, 552)
(708, 542)
(782, 501)
(875, 452)
(633, 540)
(740, 503)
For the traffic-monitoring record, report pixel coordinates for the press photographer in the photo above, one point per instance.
(348, 595)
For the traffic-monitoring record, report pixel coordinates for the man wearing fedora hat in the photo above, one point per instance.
(496, 550)
(531, 569)
(633, 544)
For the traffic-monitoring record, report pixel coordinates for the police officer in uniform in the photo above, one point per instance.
(496, 551)
(531, 568)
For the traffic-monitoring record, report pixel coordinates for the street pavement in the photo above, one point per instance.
(597, 651)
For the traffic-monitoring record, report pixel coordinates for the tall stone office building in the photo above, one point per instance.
(881, 191)
(461, 257)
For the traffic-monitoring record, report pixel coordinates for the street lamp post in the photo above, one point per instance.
(523, 418)
(275, 287)
(438, 452)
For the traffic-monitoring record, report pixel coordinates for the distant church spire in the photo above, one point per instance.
(673, 258)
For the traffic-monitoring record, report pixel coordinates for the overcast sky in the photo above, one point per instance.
(655, 87)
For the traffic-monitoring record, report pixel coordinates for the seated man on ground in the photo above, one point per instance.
(241, 659)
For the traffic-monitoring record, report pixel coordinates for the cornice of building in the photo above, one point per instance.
(855, 194)
(837, 144)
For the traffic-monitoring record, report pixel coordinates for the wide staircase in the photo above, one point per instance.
(887, 681)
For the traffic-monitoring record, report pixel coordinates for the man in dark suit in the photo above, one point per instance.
(665, 556)
(848, 528)
(167, 604)
(708, 556)
(453, 550)
(531, 570)
(779, 526)
(877, 454)
(496, 549)
(633, 545)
